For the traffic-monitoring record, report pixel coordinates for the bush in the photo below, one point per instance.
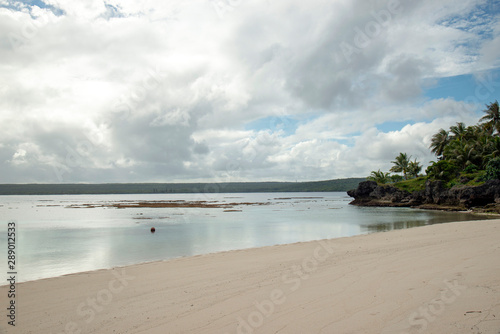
(412, 185)
(442, 170)
(452, 183)
(396, 178)
(471, 169)
(493, 169)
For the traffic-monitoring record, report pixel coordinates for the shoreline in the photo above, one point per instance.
(80, 258)
(480, 211)
(377, 282)
(484, 216)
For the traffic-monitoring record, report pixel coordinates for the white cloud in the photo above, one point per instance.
(122, 90)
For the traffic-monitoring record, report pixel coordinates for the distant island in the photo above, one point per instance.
(178, 188)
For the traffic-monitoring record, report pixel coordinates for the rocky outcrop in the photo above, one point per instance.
(434, 196)
(369, 193)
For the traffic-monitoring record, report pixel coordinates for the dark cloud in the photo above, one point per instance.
(404, 78)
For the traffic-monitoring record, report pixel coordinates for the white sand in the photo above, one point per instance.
(435, 279)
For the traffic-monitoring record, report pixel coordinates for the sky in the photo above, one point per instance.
(232, 90)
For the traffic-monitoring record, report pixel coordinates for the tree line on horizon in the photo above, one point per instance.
(179, 188)
(470, 150)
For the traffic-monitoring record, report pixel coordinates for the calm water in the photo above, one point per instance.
(53, 239)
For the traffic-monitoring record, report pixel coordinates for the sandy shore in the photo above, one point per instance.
(435, 279)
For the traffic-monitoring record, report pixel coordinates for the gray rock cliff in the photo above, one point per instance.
(434, 196)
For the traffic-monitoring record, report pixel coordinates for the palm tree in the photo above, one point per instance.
(492, 117)
(401, 164)
(461, 153)
(487, 128)
(379, 176)
(439, 142)
(480, 144)
(414, 168)
(459, 131)
(492, 149)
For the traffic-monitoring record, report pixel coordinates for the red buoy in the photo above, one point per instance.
(153, 230)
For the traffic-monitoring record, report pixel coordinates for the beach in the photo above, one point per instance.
(442, 278)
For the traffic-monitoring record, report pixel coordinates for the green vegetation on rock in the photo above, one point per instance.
(493, 169)
(402, 164)
(415, 184)
(466, 155)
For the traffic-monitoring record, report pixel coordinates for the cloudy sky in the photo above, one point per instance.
(236, 90)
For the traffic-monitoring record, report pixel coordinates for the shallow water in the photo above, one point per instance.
(54, 239)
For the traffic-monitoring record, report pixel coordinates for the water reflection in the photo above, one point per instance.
(55, 240)
(402, 218)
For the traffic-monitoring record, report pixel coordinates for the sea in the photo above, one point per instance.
(62, 234)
